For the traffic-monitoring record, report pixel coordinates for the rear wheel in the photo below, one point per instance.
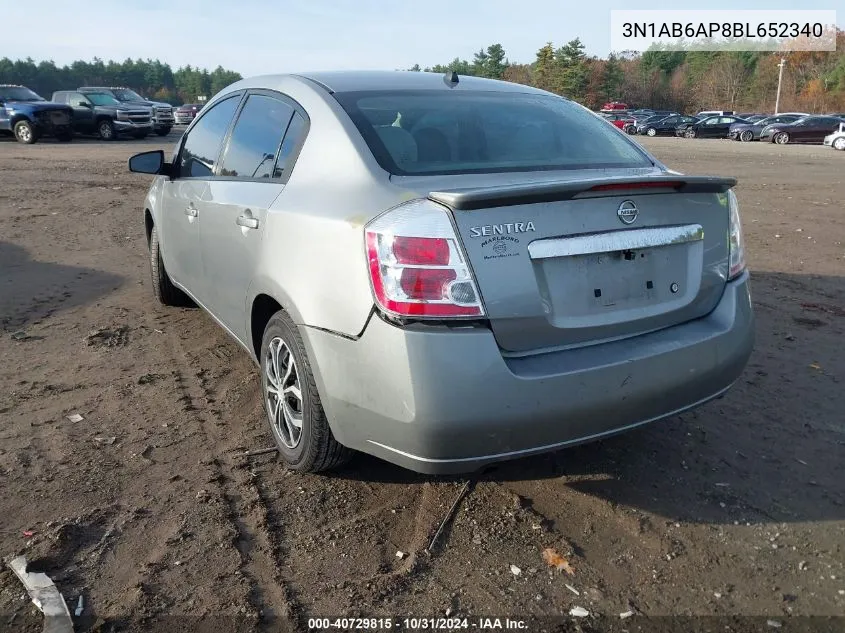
(163, 289)
(781, 138)
(297, 420)
(105, 130)
(839, 143)
(25, 132)
(746, 135)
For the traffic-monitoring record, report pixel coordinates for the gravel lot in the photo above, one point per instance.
(148, 508)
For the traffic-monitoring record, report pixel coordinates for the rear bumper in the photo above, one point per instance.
(444, 401)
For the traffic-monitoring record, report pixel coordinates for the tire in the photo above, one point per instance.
(839, 143)
(690, 134)
(631, 129)
(163, 289)
(651, 132)
(105, 130)
(164, 131)
(25, 132)
(781, 138)
(746, 136)
(314, 448)
(64, 137)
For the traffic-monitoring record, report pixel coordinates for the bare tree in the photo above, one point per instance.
(725, 83)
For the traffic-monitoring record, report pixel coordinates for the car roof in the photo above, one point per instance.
(361, 80)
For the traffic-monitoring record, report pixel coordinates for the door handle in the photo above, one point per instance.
(247, 221)
(191, 212)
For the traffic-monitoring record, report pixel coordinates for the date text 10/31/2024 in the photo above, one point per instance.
(415, 624)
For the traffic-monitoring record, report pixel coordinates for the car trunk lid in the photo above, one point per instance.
(570, 262)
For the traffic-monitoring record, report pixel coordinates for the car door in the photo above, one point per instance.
(83, 112)
(721, 126)
(253, 169)
(183, 194)
(822, 127)
(668, 124)
(705, 128)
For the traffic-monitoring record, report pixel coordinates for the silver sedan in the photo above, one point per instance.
(447, 271)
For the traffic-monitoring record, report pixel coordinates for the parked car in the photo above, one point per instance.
(184, 114)
(101, 114)
(666, 126)
(614, 105)
(619, 120)
(645, 123)
(28, 117)
(709, 127)
(162, 113)
(751, 131)
(454, 317)
(809, 129)
(752, 116)
(708, 113)
(836, 140)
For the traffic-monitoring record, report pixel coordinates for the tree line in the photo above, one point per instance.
(151, 78)
(685, 81)
(678, 80)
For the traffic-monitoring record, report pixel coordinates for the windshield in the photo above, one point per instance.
(436, 132)
(125, 94)
(18, 93)
(101, 98)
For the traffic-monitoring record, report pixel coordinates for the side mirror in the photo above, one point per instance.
(148, 163)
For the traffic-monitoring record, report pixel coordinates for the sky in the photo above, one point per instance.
(256, 37)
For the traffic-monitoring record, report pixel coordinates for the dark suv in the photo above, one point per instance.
(29, 116)
(162, 113)
(101, 114)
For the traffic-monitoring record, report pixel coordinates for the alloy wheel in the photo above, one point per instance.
(24, 133)
(782, 138)
(746, 136)
(839, 143)
(283, 393)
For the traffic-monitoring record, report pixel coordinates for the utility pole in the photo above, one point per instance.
(780, 78)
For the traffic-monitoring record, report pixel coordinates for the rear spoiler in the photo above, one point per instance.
(469, 199)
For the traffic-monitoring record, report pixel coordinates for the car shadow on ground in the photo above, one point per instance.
(771, 449)
(31, 290)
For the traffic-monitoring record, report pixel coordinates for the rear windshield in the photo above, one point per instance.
(438, 132)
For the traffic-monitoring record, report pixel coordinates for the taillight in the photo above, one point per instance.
(417, 266)
(735, 240)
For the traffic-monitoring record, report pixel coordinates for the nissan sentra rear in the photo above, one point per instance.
(447, 272)
(548, 284)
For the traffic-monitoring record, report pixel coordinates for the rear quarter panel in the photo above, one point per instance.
(313, 256)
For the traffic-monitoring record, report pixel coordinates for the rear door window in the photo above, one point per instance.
(202, 144)
(294, 137)
(256, 138)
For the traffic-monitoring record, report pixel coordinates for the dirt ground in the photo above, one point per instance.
(730, 517)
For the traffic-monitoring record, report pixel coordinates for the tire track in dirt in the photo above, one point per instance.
(268, 593)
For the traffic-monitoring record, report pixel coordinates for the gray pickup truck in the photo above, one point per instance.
(163, 120)
(101, 114)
